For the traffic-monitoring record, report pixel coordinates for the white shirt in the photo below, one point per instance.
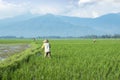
(47, 47)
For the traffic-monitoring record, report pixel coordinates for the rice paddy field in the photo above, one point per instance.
(11, 47)
(70, 60)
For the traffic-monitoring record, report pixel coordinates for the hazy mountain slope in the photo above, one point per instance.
(56, 25)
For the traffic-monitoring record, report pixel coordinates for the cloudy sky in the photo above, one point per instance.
(79, 8)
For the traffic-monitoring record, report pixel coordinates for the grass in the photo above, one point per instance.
(71, 60)
(15, 41)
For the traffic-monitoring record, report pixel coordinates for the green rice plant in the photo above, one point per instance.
(71, 60)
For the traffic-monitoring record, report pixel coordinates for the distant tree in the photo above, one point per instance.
(116, 36)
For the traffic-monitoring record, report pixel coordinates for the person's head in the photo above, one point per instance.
(45, 41)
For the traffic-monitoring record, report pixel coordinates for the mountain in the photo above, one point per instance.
(56, 25)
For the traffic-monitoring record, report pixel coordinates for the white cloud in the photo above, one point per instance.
(43, 9)
(9, 9)
(95, 14)
(79, 8)
(95, 8)
(12, 9)
(90, 1)
(84, 1)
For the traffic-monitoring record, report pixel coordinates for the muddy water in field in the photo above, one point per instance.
(7, 50)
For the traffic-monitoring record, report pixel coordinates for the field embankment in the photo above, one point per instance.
(17, 52)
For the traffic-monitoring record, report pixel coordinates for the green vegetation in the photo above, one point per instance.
(15, 41)
(13, 62)
(71, 60)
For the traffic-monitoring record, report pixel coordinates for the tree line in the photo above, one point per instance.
(60, 37)
(102, 36)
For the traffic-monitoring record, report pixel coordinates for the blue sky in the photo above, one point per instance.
(79, 8)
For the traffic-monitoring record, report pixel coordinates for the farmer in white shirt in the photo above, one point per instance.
(46, 47)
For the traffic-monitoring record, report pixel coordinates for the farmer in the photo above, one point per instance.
(46, 47)
(94, 40)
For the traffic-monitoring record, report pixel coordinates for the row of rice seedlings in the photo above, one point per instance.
(73, 62)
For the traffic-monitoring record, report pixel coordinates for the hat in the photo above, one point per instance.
(45, 41)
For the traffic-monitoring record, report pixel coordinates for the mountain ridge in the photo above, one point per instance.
(56, 25)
